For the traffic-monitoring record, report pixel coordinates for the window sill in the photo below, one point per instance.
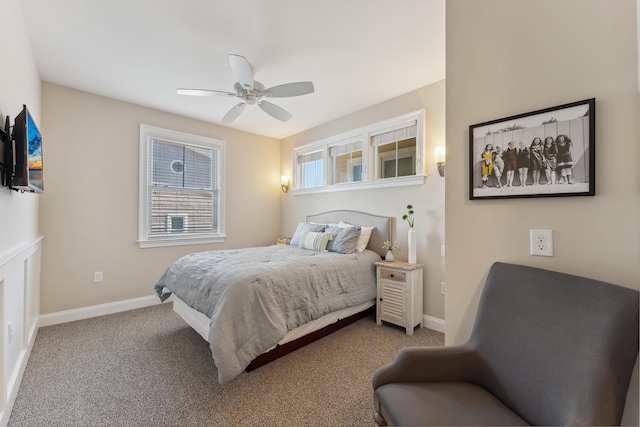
(366, 185)
(184, 241)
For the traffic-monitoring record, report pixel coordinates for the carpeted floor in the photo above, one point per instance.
(146, 367)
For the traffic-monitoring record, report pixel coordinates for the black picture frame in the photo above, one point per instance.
(565, 167)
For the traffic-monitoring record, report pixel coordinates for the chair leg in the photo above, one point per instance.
(379, 419)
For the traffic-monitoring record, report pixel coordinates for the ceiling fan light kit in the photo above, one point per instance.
(252, 92)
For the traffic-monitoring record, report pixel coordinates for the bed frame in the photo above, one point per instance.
(291, 346)
(381, 232)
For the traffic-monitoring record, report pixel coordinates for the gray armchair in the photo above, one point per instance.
(547, 348)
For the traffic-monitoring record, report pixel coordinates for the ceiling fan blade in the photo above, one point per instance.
(289, 89)
(274, 111)
(242, 70)
(233, 113)
(203, 92)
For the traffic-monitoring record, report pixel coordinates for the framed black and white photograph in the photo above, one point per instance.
(544, 153)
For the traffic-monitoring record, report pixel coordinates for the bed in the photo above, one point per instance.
(254, 305)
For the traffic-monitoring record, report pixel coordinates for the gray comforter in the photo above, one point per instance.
(253, 296)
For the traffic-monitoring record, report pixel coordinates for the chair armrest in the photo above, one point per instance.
(421, 364)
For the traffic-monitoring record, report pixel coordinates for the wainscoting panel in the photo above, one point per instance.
(20, 302)
(3, 390)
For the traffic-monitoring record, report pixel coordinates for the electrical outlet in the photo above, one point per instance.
(98, 277)
(443, 288)
(541, 242)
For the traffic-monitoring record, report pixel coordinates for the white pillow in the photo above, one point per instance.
(365, 235)
(315, 241)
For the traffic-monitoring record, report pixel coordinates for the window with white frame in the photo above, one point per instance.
(346, 162)
(181, 197)
(387, 153)
(395, 151)
(310, 169)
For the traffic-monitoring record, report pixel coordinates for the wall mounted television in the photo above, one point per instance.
(6, 159)
(27, 154)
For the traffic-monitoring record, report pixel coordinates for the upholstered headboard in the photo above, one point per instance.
(381, 224)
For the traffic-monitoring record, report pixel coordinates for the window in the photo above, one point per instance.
(310, 169)
(346, 162)
(396, 151)
(177, 223)
(384, 154)
(181, 197)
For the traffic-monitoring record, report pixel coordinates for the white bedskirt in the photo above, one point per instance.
(200, 322)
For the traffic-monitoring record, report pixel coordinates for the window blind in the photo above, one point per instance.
(181, 166)
(309, 157)
(405, 132)
(183, 188)
(349, 147)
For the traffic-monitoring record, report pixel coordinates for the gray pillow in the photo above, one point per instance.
(344, 240)
(305, 227)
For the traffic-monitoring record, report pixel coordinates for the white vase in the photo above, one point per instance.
(389, 256)
(412, 246)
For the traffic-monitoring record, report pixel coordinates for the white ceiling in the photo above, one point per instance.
(356, 52)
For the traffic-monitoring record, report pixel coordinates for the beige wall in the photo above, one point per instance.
(504, 58)
(427, 199)
(89, 213)
(499, 66)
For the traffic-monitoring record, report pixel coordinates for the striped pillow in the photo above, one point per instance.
(302, 228)
(315, 241)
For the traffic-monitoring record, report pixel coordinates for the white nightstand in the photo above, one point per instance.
(399, 297)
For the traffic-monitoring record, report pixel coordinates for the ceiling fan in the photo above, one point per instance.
(253, 92)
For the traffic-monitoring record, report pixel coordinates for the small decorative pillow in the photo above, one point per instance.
(302, 228)
(365, 235)
(345, 239)
(315, 241)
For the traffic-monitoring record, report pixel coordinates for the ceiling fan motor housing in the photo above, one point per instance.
(250, 96)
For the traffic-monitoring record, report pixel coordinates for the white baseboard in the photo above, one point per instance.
(96, 310)
(433, 323)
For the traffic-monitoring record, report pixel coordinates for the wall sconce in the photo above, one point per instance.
(439, 154)
(284, 183)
